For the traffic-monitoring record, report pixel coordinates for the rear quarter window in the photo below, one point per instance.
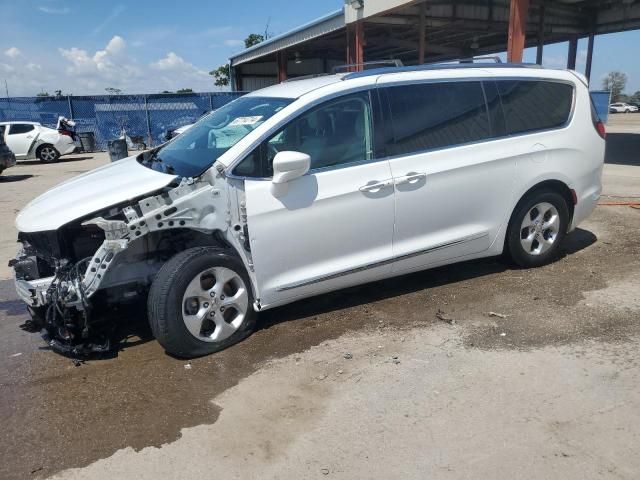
(532, 105)
(18, 128)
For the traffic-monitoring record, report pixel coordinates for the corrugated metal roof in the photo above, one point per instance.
(321, 26)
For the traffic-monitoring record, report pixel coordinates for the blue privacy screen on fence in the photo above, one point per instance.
(146, 116)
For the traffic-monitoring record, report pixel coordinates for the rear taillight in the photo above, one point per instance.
(66, 132)
(597, 123)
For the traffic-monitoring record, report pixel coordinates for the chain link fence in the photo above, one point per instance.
(145, 118)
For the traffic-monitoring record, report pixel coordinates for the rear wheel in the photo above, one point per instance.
(47, 154)
(201, 302)
(537, 228)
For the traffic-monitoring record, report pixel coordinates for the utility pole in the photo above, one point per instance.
(6, 89)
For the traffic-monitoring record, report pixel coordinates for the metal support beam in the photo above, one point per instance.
(587, 70)
(518, 14)
(421, 34)
(355, 44)
(540, 49)
(233, 79)
(281, 62)
(573, 52)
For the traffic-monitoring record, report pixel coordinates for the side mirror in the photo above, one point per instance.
(288, 166)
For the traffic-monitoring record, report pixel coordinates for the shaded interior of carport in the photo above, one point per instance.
(431, 31)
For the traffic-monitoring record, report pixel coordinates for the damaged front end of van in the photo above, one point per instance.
(110, 256)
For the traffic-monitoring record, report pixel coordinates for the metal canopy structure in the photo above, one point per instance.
(421, 31)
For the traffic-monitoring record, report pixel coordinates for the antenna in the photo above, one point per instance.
(266, 28)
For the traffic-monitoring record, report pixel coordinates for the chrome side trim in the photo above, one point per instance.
(351, 271)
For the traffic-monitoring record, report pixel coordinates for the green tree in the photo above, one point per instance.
(185, 90)
(615, 82)
(253, 39)
(635, 98)
(43, 94)
(221, 75)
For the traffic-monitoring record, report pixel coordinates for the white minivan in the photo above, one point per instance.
(311, 186)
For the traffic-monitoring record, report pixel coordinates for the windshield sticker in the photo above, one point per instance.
(245, 120)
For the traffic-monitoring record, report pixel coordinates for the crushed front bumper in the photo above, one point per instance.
(33, 292)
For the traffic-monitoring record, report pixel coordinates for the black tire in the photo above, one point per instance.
(165, 301)
(47, 154)
(38, 319)
(514, 247)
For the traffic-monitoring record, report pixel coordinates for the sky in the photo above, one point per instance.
(146, 46)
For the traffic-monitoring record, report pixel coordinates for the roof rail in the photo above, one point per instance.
(305, 77)
(348, 67)
(464, 63)
(493, 58)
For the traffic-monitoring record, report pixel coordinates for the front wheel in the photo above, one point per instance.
(48, 154)
(537, 228)
(201, 302)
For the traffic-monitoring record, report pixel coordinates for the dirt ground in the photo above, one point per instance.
(363, 383)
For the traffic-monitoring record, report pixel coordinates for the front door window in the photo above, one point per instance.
(338, 132)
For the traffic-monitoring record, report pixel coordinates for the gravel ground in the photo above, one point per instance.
(363, 383)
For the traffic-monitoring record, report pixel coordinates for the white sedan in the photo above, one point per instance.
(29, 140)
(622, 108)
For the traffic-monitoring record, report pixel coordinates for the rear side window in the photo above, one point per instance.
(18, 128)
(427, 116)
(531, 105)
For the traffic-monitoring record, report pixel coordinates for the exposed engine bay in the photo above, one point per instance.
(70, 276)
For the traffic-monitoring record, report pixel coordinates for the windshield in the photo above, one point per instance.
(195, 150)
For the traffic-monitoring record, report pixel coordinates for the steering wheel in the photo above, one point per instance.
(223, 123)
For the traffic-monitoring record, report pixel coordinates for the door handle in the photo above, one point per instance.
(410, 178)
(376, 186)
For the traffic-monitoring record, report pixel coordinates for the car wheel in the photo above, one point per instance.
(536, 229)
(201, 302)
(47, 154)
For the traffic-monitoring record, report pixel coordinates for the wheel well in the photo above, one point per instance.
(549, 185)
(555, 186)
(176, 240)
(145, 255)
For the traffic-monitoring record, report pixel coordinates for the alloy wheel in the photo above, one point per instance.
(48, 154)
(539, 229)
(215, 304)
